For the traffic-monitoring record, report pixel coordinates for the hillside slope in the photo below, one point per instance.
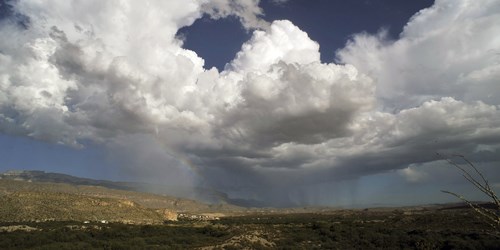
(22, 200)
(199, 194)
(43, 206)
(147, 200)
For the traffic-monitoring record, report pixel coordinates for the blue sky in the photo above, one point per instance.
(330, 23)
(286, 102)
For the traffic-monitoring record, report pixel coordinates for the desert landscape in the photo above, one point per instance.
(249, 124)
(65, 215)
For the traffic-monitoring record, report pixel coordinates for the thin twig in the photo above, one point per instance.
(492, 215)
(483, 211)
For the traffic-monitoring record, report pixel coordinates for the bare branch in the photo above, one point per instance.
(492, 216)
(483, 211)
(469, 177)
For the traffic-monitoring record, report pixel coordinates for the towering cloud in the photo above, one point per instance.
(113, 72)
(450, 49)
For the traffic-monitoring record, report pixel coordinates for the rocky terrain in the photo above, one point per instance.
(199, 194)
(44, 206)
(23, 198)
(40, 196)
(37, 211)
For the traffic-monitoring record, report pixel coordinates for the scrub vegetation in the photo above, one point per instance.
(451, 227)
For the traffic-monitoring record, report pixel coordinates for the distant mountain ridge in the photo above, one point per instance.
(200, 194)
(42, 176)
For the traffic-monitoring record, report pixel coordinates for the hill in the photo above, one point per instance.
(39, 196)
(45, 206)
(200, 194)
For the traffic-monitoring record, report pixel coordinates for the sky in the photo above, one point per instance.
(282, 103)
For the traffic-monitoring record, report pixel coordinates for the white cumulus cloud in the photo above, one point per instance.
(114, 72)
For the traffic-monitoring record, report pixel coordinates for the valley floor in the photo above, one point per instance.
(342, 229)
